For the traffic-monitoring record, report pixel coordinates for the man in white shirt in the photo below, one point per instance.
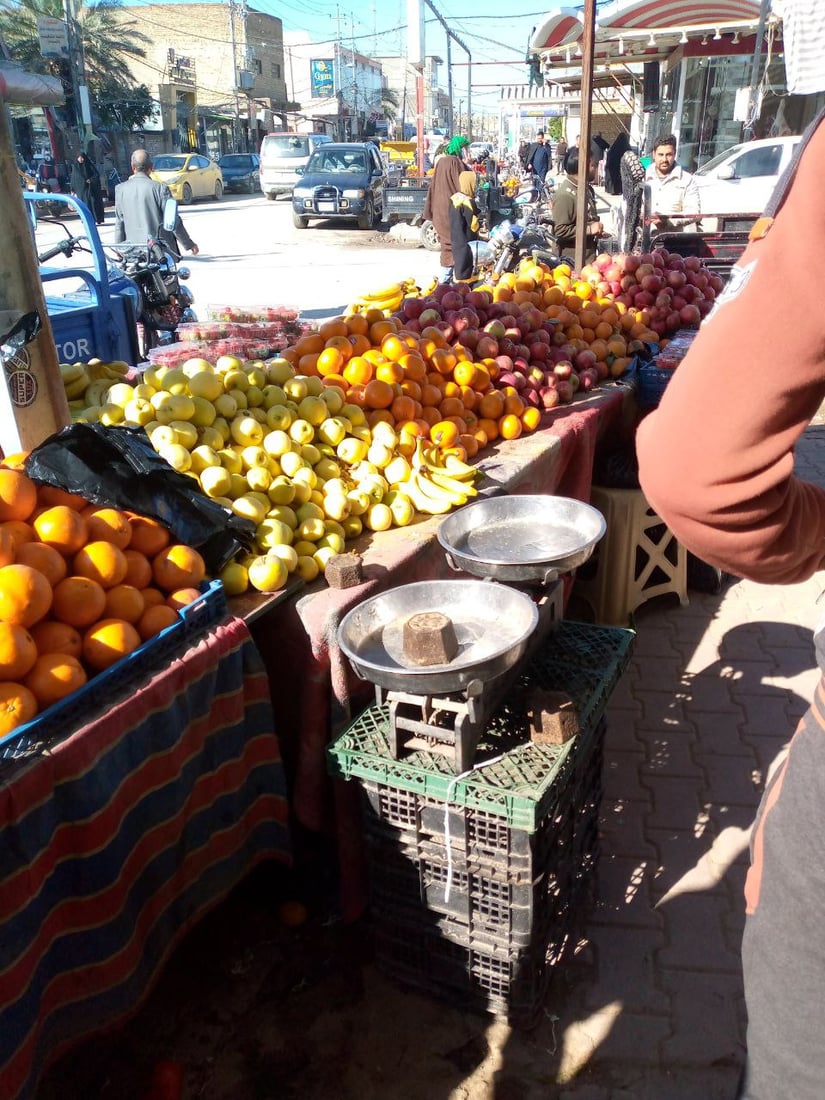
(674, 194)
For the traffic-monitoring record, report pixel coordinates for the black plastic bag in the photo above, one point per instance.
(118, 468)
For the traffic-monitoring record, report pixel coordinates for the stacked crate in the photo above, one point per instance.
(475, 881)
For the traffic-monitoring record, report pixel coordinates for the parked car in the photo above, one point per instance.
(240, 171)
(281, 157)
(188, 176)
(341, 180)
(741, 179)
(478, 150)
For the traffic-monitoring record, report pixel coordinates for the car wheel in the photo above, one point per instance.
(271, 196)
(367, 219)
(218, 190)
(186, 194)
(429, 237)
(299, 221)
(251, 186)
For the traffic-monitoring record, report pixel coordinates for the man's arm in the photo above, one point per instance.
(716, 458)
(120, 228)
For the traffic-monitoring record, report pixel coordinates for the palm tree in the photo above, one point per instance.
(107, 45)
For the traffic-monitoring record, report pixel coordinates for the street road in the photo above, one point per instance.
(251, 253)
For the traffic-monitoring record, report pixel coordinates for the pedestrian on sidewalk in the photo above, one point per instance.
(443, 185)
(463, 226)
(716, 463)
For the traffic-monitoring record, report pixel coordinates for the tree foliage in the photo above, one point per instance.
(108, 44)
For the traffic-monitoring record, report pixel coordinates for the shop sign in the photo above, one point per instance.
(53, 35)
(322, 75)
(542, 112)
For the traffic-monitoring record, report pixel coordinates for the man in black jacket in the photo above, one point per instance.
(139, 204)
(538, 158)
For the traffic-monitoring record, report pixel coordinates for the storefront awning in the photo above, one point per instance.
(644, 30)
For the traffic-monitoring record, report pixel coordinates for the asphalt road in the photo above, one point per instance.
(251, 253)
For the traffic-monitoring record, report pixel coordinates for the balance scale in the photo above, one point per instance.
(444, 655)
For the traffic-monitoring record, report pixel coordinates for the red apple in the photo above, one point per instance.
(563, 370)
(487, 347)
(550, 397)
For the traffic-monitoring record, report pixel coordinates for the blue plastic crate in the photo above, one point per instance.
(108, 686)
(652, 383)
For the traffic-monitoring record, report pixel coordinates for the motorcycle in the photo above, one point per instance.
(164, 302)
(511, 242)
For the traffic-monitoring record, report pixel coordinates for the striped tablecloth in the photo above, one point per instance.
(114, 843)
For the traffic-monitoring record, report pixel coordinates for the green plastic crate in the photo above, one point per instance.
(519, 784)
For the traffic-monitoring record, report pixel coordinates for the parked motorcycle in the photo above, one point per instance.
(511, 242)
(164, 302)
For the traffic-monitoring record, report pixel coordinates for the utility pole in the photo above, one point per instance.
(583, 186)
(236, 128)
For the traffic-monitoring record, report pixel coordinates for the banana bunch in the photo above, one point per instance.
(75, 379)
(437, 483)
(96, 392)
(114, 371)
(388, 298)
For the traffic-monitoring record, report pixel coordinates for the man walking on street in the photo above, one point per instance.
(561, 153)
(139, 204)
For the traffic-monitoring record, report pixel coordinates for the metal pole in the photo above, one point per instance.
(588, 40)
(236, 129)
(450, 88)
(757, 57)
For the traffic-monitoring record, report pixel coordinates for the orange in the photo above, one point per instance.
(469, 443)
(335, 380)
(110, 525)
(62, 528)
(311, 344)
(53, 637)
(403, 408)
(308, 364)
(489, 426)
(413, 367)
(431, 395)
(108, 641)
(531, 418)
(444, 360)
(124, 601)
(330, 361)
(430, 415)
(178, 566)
(25, 595)
(20, 532)
(182, 598)
(380, 329)
(392, 346)
(336, 326)
(48, 495)
(78, 601)
(358, 371)
(359, 343)
(138, 569)
(153, 596)
(451, 406)
(157, 618)
(357, 325)
(148, 535)
(469, 397)
(374, 416)
(17, 706)
(603, 330)
(340, 343)
(444, 433)
(18, 494)
(510, 426)
(8, 549)
(491, 405)
(102, 562)
(465, 373)
(54, 676)
(513, 404)
(15, 461)
(411, 389)
(18, 651)
(378, 394)
(389, 372)
(45, 559)
(583, 290)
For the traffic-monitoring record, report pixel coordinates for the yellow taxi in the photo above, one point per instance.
(188, 176)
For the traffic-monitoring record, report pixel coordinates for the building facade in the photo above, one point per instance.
(217, 71)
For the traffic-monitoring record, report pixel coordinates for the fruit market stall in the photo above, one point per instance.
(140, 766)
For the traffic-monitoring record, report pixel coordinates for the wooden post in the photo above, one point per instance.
(588, 43)
(33, 402)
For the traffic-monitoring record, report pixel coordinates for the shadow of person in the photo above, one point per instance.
(651, 996)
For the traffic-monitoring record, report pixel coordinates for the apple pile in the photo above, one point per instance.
(674, 291)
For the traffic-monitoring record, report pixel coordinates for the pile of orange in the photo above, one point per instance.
(416, 382)
(81, 586)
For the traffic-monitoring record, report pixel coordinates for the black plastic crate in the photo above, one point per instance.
(509, 899)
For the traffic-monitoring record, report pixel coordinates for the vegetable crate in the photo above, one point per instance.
(476, 880)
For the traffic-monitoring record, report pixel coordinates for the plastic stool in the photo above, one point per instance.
(637, 559)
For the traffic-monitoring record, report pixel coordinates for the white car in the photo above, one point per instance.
(741, 180)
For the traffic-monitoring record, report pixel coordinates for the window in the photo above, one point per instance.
(275, 70)
(257, 66)
(758, 162)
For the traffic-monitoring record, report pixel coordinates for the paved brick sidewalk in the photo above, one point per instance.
(711, 697)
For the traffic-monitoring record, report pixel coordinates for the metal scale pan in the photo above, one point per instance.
(492, 625)
(521, 538)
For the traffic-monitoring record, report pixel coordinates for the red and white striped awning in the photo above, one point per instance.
(563, 27)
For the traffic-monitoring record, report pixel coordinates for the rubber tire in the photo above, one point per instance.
(251, 186)
(299, 221)
(271, 196)
(186, 195)
(429, 237)
(367, 219)
(218, 190)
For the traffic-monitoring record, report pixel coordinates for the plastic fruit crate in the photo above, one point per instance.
(518, 787)
(652, 383)
(106, 687)
(503, 887)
